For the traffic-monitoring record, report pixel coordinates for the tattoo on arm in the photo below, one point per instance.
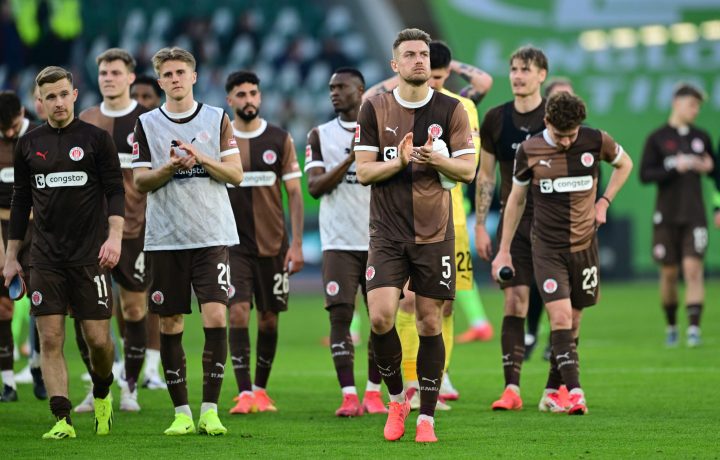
(465, 71)
(483, 199)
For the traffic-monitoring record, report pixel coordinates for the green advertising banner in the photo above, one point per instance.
(623, 56)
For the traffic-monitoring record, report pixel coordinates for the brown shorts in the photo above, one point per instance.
(23, 255)
(343, 272)
(85, 292)
(430, 267)
(174, 272)
(568, 275)
(132, 271)
(265, 277)
(673, 242)
(521, 253)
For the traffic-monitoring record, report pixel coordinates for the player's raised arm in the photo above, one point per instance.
(479, 81)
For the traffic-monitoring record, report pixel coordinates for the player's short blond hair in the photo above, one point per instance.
(117, 54)
(172, 54)
(407, 35)
(53, 74)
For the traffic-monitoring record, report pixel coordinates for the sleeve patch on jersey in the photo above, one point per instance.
(308, 152)
(136, 151)
(357, 133)
(232, 142)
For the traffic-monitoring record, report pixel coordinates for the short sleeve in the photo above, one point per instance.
(460, 138)
(522, 174)
(610, 150)
(366, 133)
(313, 152)
(488, 128)
(290, 166)
(228, 144)
(140, 150)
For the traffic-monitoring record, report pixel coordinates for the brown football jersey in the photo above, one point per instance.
(679, 196)
(563, 185)
(120, 124)
(502, 131)
(7, 174)
(412, 206)
(268, 159)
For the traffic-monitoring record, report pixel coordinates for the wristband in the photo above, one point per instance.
(606, 199)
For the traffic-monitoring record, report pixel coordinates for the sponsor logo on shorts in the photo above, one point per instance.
(550, 286)
(370, 273)
(566, 184)
(36, 298)
(130, 138)
(587, 159)
(157, 297)
(435, 131)
(61, 179)
(697, 145)
(77, 153)
(390, 153)
(269, 157)
(332, 288)
(659, 251)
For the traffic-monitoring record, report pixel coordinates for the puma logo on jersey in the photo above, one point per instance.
(545, 162)
(446, 283)
(394, 131)
(176, 373)
(42, 155)
(564, 355)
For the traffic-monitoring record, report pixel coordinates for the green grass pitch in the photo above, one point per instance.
(645, 401)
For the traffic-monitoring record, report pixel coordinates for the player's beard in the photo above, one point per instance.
(416, 81)
(247, 116)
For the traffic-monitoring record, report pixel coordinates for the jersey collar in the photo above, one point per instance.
(548, 139)
(180, 116)
(251, 134)
(349, 125)
(118, 113)
(412, 105)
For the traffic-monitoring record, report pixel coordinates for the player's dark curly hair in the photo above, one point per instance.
(352, 71)
(531, 54)
(440, 55)
(150, 81)
(565, 111)
(10, 108)
(240, 77)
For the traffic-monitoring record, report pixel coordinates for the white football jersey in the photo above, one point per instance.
(344, 212)
(192, 210)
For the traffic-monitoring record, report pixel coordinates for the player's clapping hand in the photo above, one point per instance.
(685, 162)
(194, 156)
(424, 153)
(405, 149)
(294, 260)
(503, 259)
(110, 252)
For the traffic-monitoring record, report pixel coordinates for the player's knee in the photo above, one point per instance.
(380, 322)
(171, 324)
(133, 312)
(239, 315)
(99, 340)
(429, 325)
(51, 342)
(268, 322)
(447, 308)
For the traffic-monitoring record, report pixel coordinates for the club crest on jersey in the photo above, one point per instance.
(269, 157)
(550, 286)
(587, 159)
(332, 288)
(697, 145)
(157, 297)
(36, 298)
(76, 153)
(370, 273)
(357, 133)
(130, 138)
(202, 137)
(435, 131)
